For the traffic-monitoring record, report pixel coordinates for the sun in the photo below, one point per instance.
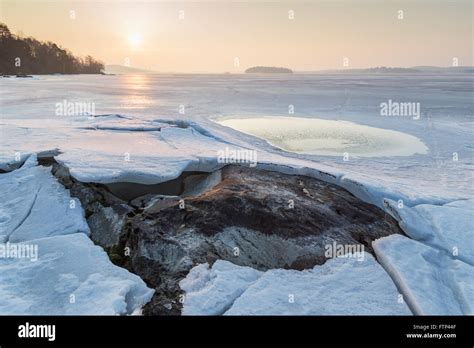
(134, 39)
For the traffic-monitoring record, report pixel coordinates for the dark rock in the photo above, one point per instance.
(252, 218)
(107, 225)
(247, 216)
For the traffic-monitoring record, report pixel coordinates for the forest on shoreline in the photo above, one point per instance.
(26, 55)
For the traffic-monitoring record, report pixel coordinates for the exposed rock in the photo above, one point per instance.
(92, 196)
(107, 224)
(250, 217)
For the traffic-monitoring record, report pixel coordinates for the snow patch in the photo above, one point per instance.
(342, 286)
(72, 276)
(431, 281)
(35, 205)
(448, 227)
(211, 291)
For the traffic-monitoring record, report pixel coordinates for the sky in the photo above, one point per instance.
(230, 36)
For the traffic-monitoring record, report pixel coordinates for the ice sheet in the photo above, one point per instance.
(449, 227)
(432, 282)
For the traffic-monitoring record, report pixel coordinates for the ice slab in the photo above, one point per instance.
(432, 282)
(449, 227)
(71, 276)
(117, 123)
(341, 286)
(35, 205)
(114, 148)
(146, 158)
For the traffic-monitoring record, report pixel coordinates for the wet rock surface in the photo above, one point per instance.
(247, 216)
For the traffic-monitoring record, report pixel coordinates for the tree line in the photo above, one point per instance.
(20, 55)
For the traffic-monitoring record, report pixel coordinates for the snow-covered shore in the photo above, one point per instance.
(63, 273)
(433, 268)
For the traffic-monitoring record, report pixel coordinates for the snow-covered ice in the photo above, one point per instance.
(72, 276)
(210, 291)
(432, 282)
(449, 227)
(61, 272)
(342, 286)
(35, 205)
(96, 151)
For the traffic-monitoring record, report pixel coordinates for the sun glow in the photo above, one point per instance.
(134, 39)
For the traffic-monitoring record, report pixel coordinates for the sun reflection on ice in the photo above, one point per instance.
(137, 87)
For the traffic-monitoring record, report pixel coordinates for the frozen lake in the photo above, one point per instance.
(445, 125)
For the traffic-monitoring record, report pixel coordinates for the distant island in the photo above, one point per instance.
(21, 56)
(268, 70)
